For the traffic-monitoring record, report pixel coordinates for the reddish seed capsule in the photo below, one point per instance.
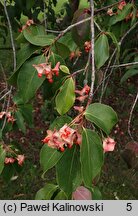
(62, 149)
(57, 73)
(50, 80)
(39, 75)
(45, 140)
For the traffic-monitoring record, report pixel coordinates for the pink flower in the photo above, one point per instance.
(87, 46)
(63, 138)
(84, 91)
(78, 140)
(72, 55)
(121, 5)
(20, 159)
(110, 12)
(54, 140)
(80, 109)
(82, 98)
(2, 114)
(56, 69)
(46, 69)
(67, 134)
(108, 144)
(29, 22)
(10, 118)
(40, 69)
(9, 160)
(82, 193)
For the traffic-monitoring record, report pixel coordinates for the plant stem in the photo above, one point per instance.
(92, 52)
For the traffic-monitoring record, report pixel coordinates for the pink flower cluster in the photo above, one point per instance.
(110, 12)
(65, 137)
(8, 115)
(87, 46)
(108, 144)
(19, 158)
(75, 54)
(46, 69)
(28, 23)
(83, 93)
(121, 5)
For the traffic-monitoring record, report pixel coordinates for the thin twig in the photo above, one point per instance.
(11, 36)
(98, 27)
(77, 72)
(105, 73)
(70, 27)
(130, 117)
(102, 82)
(124, 65)
(3, 91)
(86, 69)
(124, 36)
(108, 66)
(7, 93)
(92, 52)
(53, 31)
(106, 7)
(76, 60)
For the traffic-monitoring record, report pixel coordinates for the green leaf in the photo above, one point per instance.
(26, 51)
(0, 134)
(27, 112)
(49, 157)
(8, 172)
(66, 96)
(101, 46)
(54, 58)
(129, 73)
(113, 37)
(20, 121)
(61, 196)
(121, 14)
(36, 35)
(59, 122)
(96, 194)
(64, 69)
(28, 81)
(91, 156)
(2, 158)
(68, 41)
(62, 50)
(69, 171)
(46, 192)
(101, 115)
